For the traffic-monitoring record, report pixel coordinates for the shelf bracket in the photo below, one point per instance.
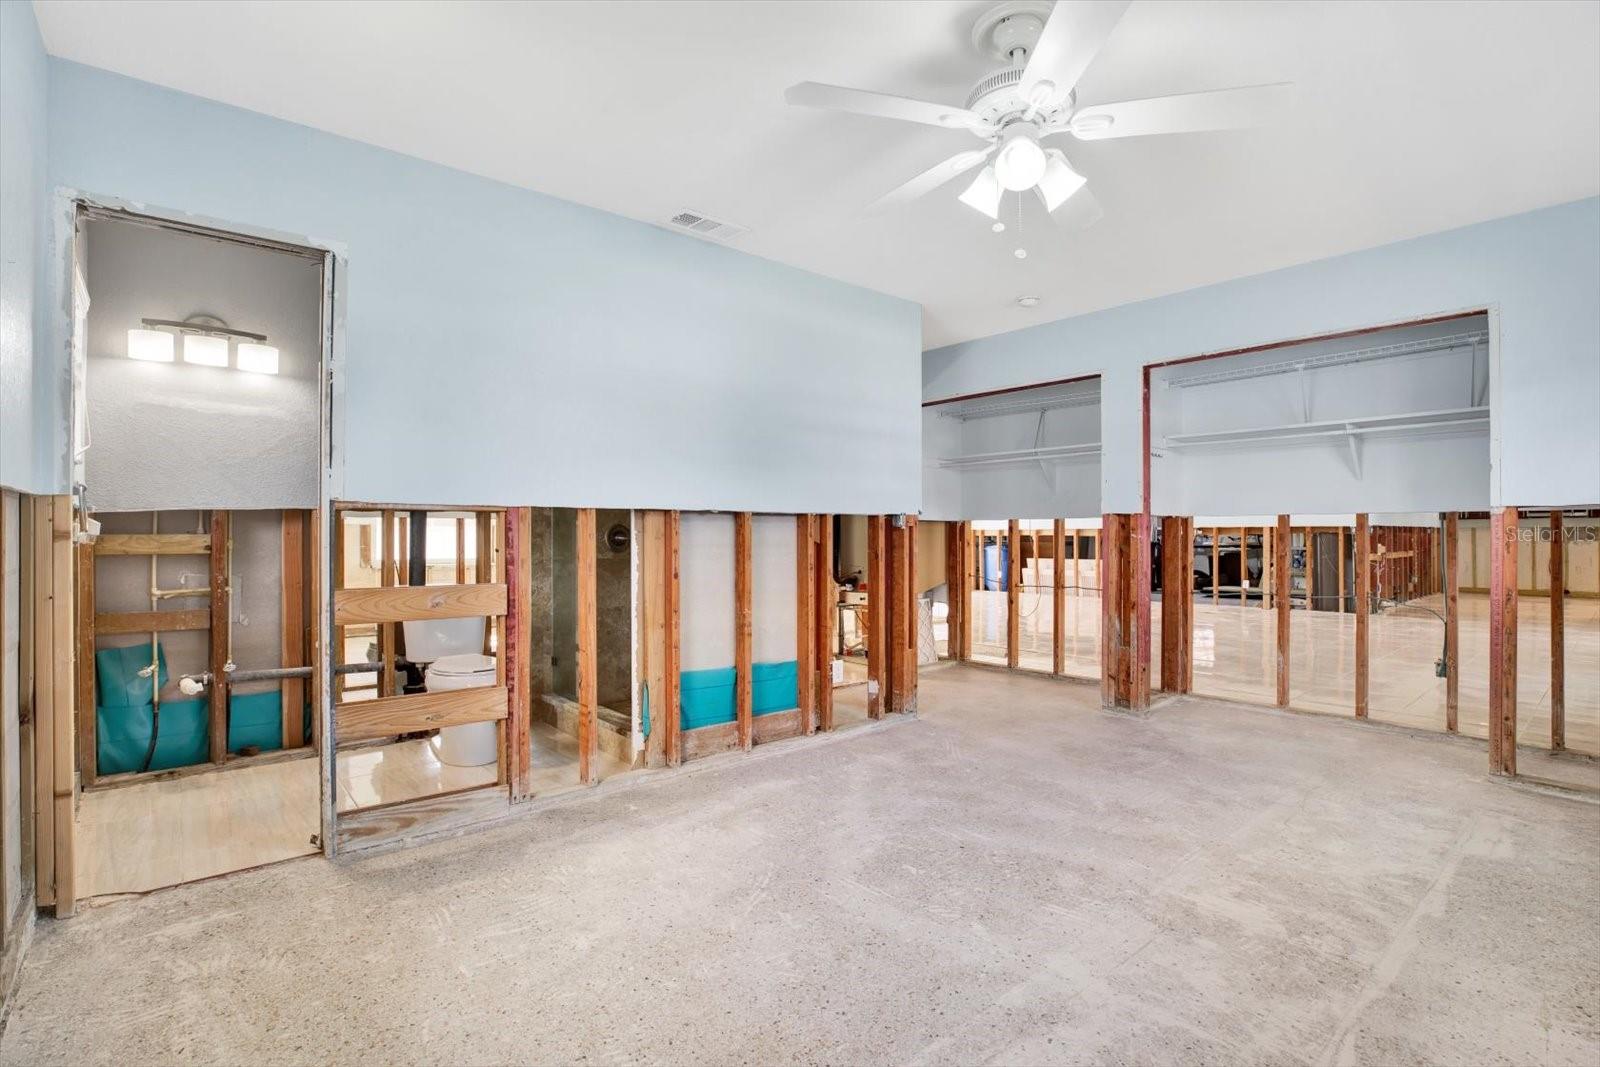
(1353, 439)
(1305, 394)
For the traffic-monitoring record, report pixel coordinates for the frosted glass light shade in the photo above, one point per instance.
(258, 359)
(205, 350)
(152, 345)
(984, 193)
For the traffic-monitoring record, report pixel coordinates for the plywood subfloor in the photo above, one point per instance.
(136, 838)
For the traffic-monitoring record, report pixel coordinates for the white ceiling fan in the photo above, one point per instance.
(1015, 109)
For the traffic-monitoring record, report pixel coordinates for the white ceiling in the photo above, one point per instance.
(1412, 118)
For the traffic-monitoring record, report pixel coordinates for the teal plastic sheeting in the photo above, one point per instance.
(116, 674)
(705, 697)
(123, 736)
(774, 686)
(708, 696)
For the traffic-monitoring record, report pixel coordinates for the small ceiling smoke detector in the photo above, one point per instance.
(703, 225)
(1027, 301)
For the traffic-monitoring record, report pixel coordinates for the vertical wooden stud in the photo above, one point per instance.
(1013, 592)
(1058, 603)
(902, 617)
(878, 612)
(1558, 638)
(1363, 566)
(588, 636)
(1216, 574)
(1280, 577)
(1177, 599)
(44, 704)
(461, 550)
(1119, 615)
(88, 725)
(671, 710)
(221, 622)
(743, 631)
(519, 647)
(1340, 575)
(387, 577)
(962, 632)
(827, 621)
(805, 623)
(1452, 642)
(1503, 641)
(316, 633)
(911, 603)
(62, 726)
(292, 628)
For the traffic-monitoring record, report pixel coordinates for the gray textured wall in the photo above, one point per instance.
(175, 435)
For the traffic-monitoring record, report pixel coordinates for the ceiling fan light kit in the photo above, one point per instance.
(1045, 49)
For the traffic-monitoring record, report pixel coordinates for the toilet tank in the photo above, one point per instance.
(434, 638)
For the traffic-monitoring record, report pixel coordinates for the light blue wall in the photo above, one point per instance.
(506, 347)
(1539, 271)
(25, 441)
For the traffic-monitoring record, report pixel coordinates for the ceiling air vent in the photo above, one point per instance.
(704, 226)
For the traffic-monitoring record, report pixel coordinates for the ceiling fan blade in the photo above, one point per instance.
(1071, 38)
(1080, 211)
(881, 105)
(1222, 109)
(931, 179)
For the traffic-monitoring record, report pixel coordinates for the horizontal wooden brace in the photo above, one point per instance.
(413, 603)
(387, 716)
(144, 622)
(144, 544)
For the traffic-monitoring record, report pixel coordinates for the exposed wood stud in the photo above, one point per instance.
(88, 742)
(336, 579)
(743, 626)
(1216, 577)
(1177, 624)
(877, 615)
(805, 624)
(588, 636)
(519, 647)
(901, 627)
(386, 580)
(907, 604)
(221, 623)
(827, 621)
(292, 626)
(63, 741)
(1013, 592)
(961, 634)
(1119, 613)
(461, 550)
(1558, 637)
(1058, 602)
(671, 710)
(1363, 566)
(1280, 577)
(44, 705)
(1340, 577)
(1452, 641)
(1503, 641)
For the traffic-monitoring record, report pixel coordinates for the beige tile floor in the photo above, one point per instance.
(1235, 650)
(136, 838)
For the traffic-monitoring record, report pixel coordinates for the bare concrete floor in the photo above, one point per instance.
(1014, 877)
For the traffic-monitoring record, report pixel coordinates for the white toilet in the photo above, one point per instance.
(453, 652)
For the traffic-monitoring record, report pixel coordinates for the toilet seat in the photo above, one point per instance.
(462, 666)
